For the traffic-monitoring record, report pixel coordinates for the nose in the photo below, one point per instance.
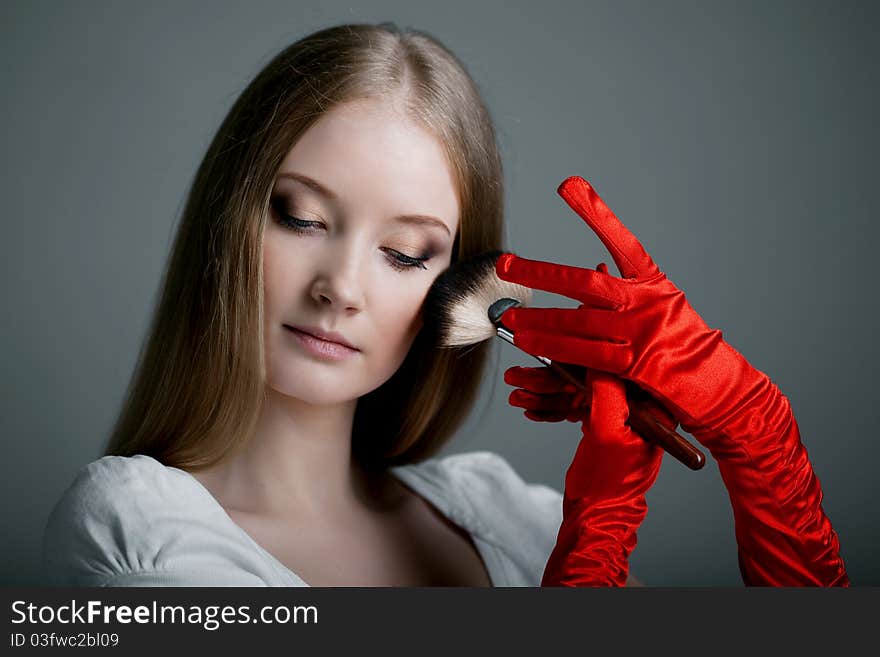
(338, 283)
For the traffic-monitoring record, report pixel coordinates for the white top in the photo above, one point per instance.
(131, 521)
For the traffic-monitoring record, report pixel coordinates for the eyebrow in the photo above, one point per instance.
(314, 185)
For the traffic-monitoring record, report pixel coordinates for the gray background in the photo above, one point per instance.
(737, 140)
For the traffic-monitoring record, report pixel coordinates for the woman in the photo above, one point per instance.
(273, 428)
(279, 426)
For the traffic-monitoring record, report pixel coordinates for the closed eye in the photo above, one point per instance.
(298, 225)
(400, 261)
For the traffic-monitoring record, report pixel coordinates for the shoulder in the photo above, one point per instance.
(484, 475)
(486, 478)
(483, 491)
(133, 521)
(114, 484)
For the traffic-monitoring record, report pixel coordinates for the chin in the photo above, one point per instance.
(311, 390)
(318, 385)
(320, 391)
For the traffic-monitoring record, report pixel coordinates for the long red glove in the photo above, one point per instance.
(642, 328)
(605, 485)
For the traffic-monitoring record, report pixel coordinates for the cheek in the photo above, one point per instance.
(271, 280)
(280, 273)
(400, 318)
(401, 313)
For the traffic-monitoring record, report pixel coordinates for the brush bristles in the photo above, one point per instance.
(457, 305)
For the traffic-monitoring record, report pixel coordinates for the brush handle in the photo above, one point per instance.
(643, 421)
(640, 419)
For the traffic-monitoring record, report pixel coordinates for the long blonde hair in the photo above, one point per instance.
(199, 383)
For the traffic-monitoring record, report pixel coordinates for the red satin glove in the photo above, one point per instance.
(605, 485)
(641, 327)
(545, 396)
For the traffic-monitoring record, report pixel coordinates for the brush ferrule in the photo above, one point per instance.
(504, 334)
(507, 335)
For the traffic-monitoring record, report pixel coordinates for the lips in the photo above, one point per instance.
(327, 336)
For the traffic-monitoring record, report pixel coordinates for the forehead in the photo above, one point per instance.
(375, 158)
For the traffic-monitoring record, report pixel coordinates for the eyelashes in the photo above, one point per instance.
(399, 261)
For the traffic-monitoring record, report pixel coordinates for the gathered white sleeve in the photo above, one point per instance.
(130, 521)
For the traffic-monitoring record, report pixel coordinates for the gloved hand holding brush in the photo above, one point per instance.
(641, 328)
(546, 397)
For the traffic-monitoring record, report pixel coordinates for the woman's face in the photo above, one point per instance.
(362, 219)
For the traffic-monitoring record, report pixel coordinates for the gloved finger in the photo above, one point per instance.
(612, 357)
(586, 285)
(561, 403)
(594, 323)
(539, 416)
(630, 256)
(576, 414)
(537, 379)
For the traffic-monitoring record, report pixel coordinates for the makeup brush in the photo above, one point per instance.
(464, 306)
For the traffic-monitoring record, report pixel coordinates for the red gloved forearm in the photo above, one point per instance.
(643, 329)
(601, 512)
(594, 544)
(605, 485)
(783, 535)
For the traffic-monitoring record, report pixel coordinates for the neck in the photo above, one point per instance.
(299, 459)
